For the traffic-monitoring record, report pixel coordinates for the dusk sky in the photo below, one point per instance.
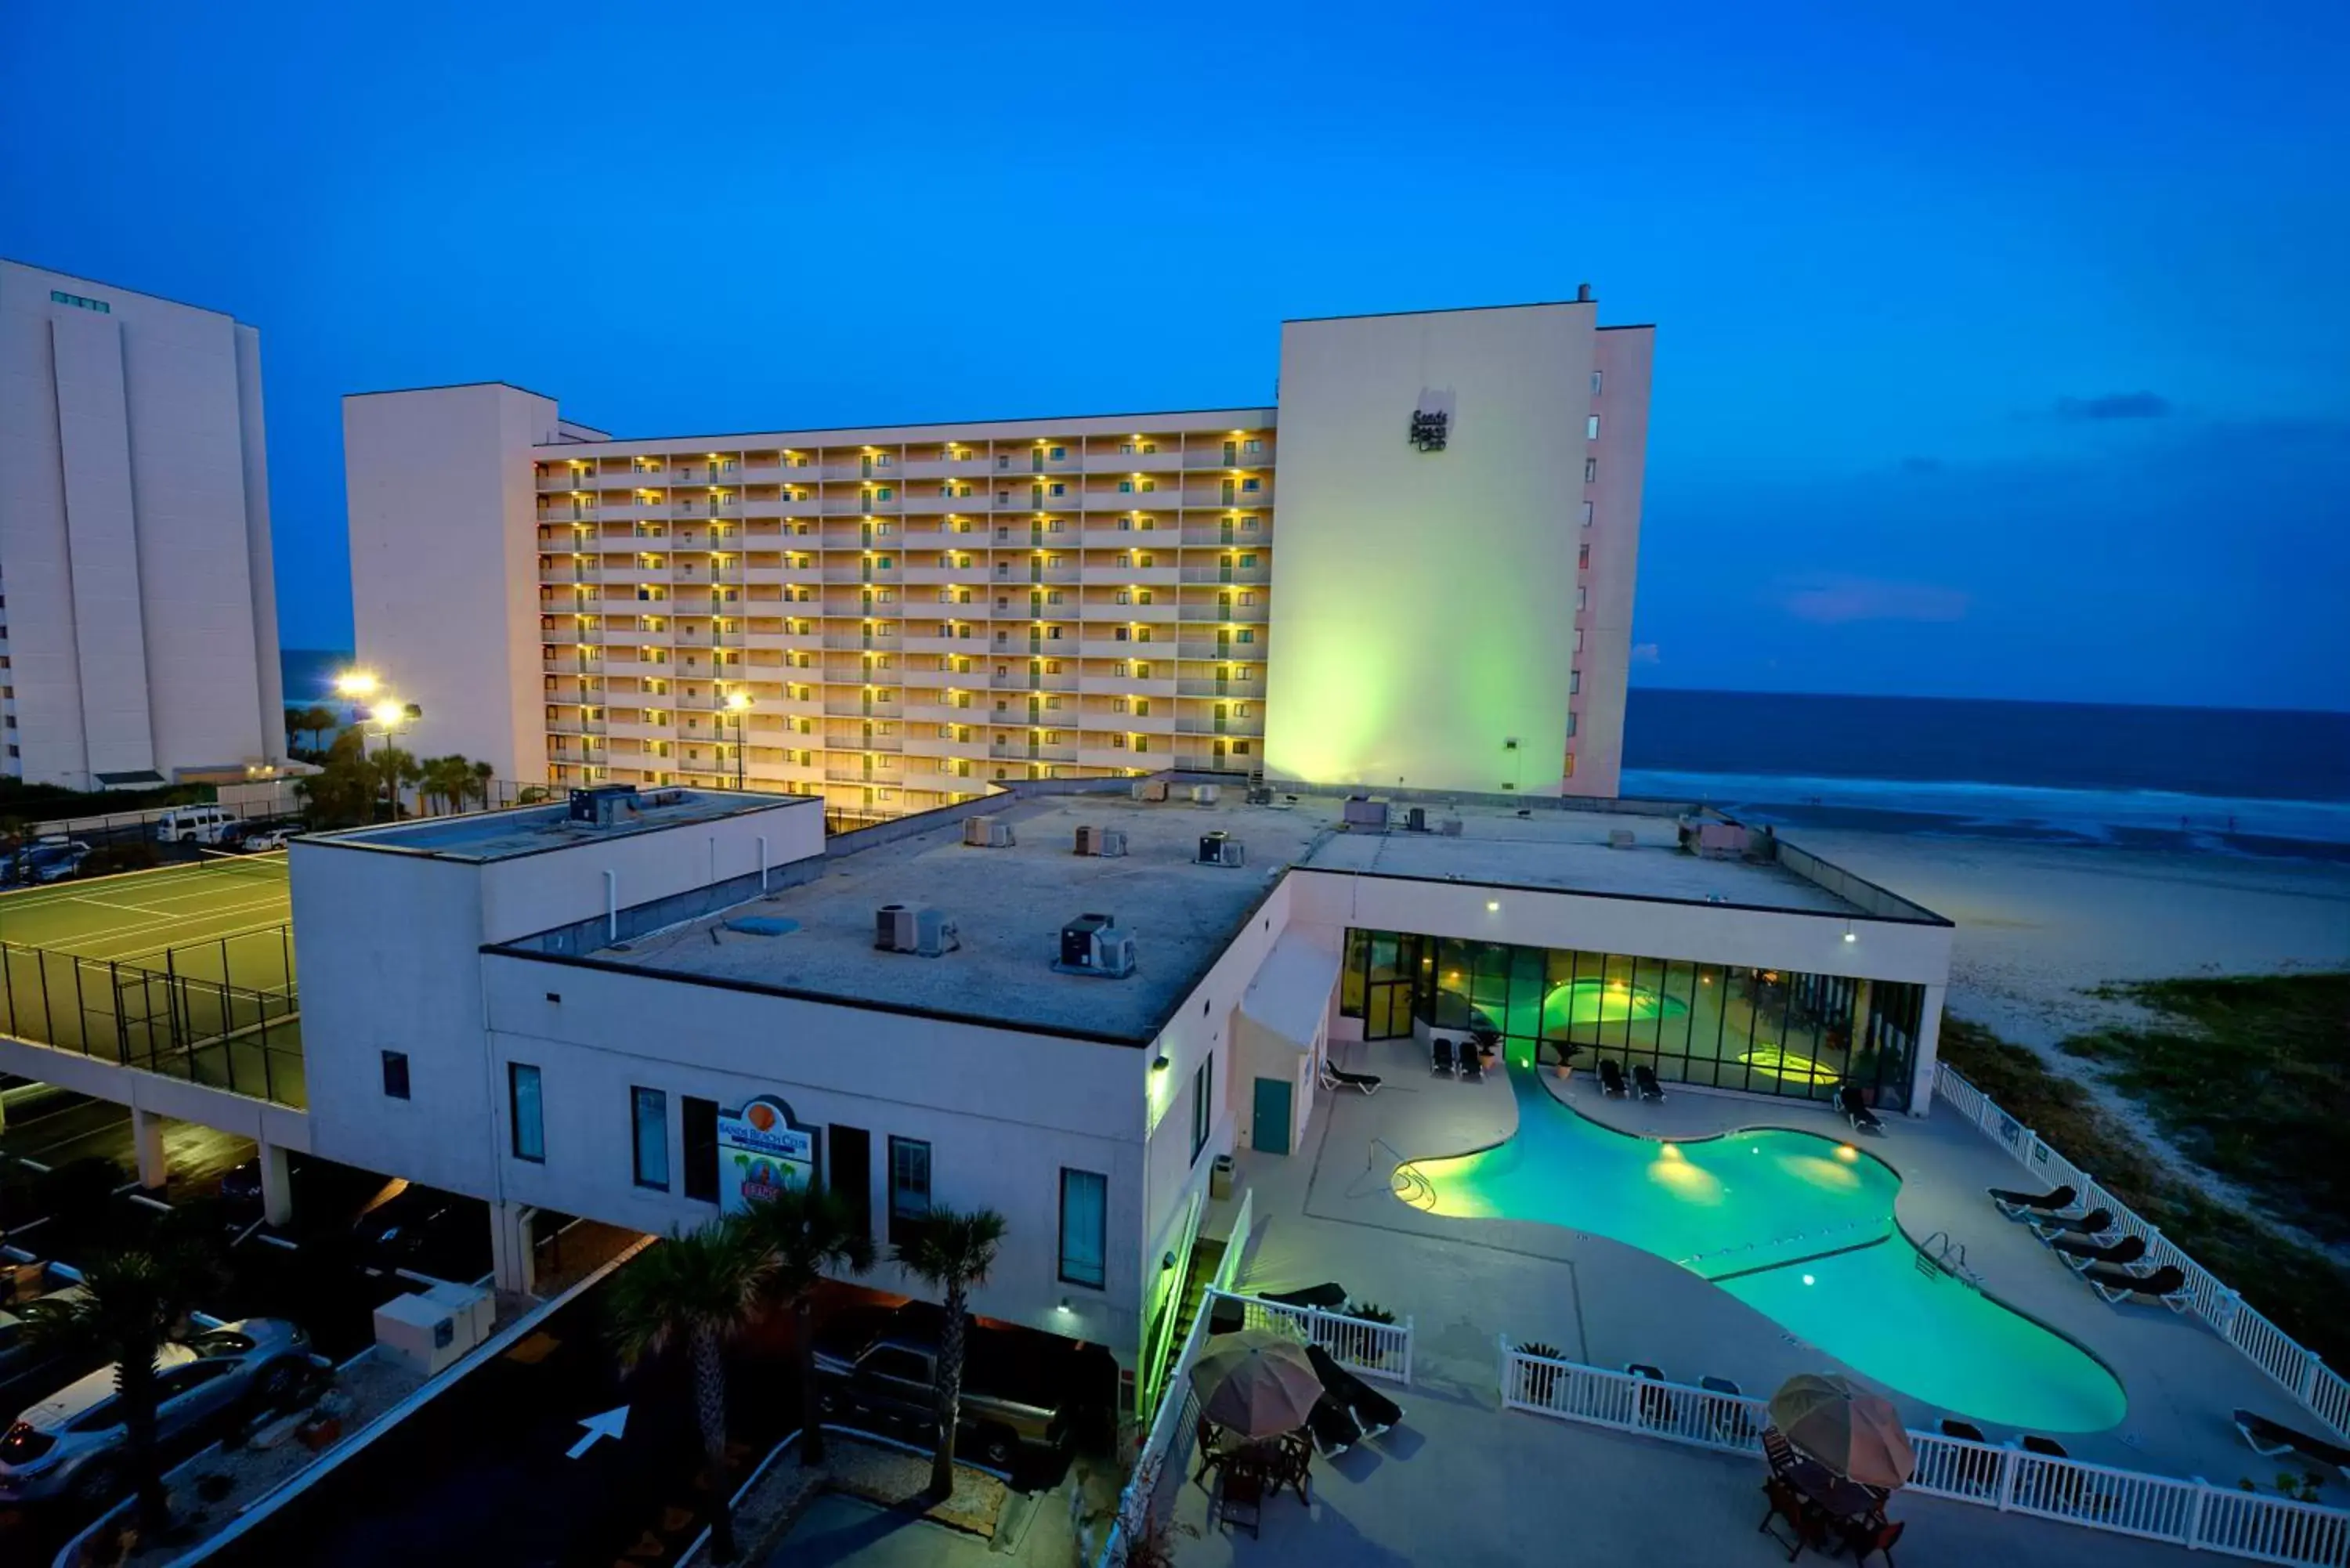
(2002, 350)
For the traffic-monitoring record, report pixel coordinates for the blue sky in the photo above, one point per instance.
(2002, 349)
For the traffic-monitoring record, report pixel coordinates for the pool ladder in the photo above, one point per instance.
(1944, 1253)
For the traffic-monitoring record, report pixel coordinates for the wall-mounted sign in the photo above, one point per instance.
(1429, 429)
(762, 1152)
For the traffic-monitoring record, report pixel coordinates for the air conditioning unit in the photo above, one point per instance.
(986, 833)
(901, 928)
(1364, 814)
(893, 928)
(1415, 819)
(1150, 789)
(1260, 795)
(1204, 794)
(1621, 838)
(1100, 841)
(1220, 849)
(1450, 827)
(1093, 945)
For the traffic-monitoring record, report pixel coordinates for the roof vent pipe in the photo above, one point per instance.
(611, 906)
(1582, 294)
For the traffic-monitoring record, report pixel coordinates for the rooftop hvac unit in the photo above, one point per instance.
(1450, 827)
(1260, 795)
(1093, 945)
(1220, 848)
(1415, 819)
(986, 833)
(1621, 838)
(1364, 814)
(1150, 789)
(899, 928)
(1101, 841)
(1204, 794)
(604, 804)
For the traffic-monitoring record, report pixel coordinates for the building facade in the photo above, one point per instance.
(137, 612)
(893, 618)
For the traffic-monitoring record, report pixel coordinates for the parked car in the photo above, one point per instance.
(427, 1231)
(70, 1445)
(266, 837)
(25, 1367)
(50, 860)
(1019, 1387)
(193, 825)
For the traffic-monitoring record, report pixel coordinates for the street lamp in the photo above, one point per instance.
(388, 718)
(739, 704)
(357, 685)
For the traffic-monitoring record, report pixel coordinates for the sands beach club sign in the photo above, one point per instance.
(761, 1151)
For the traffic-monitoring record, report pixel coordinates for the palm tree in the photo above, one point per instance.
(395, 769)
(483, 773)
(809, 1233)
(130, 1306)
(448, 780)
(702, 1287)
(950, 1253)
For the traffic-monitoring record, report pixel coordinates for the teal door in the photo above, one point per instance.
(1271, 1133)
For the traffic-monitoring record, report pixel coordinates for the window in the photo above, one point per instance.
(1056, 489)
(1204, 1084)
(1570, 724)
(81, 302)
(1253, 445)
(649, 1118)
(1587, 509)
(395, 1074)
(701, 1148)
(1578, 639)
(1582, 599)
(1057, 454)
(1591, 429)
(1590, 470)
(1125, 487)
(1118, 742)
(1085, 1229)
(1594, 383)
(909, 1187)
(523, 1107)
(1582, 558)
(1575, 682)
(1251, 484)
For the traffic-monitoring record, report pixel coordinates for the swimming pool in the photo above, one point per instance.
(1798, 1227)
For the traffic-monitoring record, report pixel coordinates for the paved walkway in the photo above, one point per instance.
(1327, 1214)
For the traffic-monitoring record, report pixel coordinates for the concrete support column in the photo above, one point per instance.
(512, 1260)
(147, 1139)
(276, 1185)
(1929, 1040)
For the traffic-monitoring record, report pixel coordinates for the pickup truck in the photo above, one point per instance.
(1019, 1387)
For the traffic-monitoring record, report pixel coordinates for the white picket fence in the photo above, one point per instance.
(2326, 1391)
(2190, 1513)
(1357, 1344)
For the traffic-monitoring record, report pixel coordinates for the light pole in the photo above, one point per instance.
(739, 704)
(389, 718)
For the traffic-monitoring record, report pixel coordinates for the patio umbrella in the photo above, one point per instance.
(1848, 1429)
(1255, 1383)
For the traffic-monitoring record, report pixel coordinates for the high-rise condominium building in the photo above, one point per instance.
(138, 615)
(1417, 570)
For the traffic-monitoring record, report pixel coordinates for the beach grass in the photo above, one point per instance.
(2249, 1077)
(2297, 1287)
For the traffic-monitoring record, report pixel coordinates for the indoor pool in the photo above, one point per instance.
(1798, 1227)
(1571, 1004)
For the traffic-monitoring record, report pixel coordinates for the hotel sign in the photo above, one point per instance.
(762, 1152)
(1430, 429)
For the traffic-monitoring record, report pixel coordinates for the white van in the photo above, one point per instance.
(193, 825)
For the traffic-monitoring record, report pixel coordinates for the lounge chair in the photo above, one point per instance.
(1733, 1423)
(2079, 1252)
(1655, 1405)
(2167, 1285)
(1329, 1296)
(2016, 1205)
(1855, 1110)
(1439, 1058)
(1472, 1063)
(1611, 1076)
(1645, 1077)
(1372, 1409)
(1975, 1473)
(1337, 1078)
(2096, 1222)
(1333, 1427)
(2046, 1447)
(1965, 1431)
(2269, 1438)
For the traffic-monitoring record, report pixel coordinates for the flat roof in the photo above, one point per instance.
(1114, 422)
(1008, 906)
(486, 836)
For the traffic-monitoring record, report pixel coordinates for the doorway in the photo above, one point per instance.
(1270, 1127)
(852, 1173)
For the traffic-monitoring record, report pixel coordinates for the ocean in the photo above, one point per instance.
(2245, 780)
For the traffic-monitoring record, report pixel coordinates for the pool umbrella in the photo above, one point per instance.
(1255, 1383)
(1848, 1429)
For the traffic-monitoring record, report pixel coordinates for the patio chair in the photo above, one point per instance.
(1208, 1438)
(1472, 1063)
(1440, 1056)
(1645, 1077)
(1656, 1406)
(1732, 1422)
(1241, 1498)
(2018, 1204)
(2096, 1223)
(1611, 1077)
(2079, 1252)
(1806, 1522)
(1333, 1427)
(1855, 1110)
(2269, 1438)
(1865, 1538)
(1337, 1077)
(2167, 1285)
(1777, 1452)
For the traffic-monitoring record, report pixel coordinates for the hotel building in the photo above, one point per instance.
(138, 614)
(1416, 568)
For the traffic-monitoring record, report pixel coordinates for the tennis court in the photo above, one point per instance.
(188, 969)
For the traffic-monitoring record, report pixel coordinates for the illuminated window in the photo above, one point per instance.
(1591, 429)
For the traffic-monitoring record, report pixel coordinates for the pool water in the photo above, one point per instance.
(1798, 1227)
(1575, 1003)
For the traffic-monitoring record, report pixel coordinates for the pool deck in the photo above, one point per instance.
(1327, 1214)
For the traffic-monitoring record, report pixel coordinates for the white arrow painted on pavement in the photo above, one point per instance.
(611, 1424)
